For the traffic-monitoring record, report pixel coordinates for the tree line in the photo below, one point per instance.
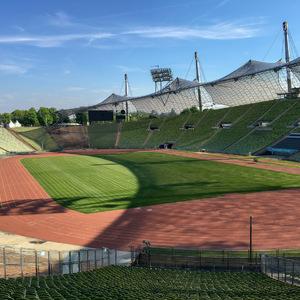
(42, 117)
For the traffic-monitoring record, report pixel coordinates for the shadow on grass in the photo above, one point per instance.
(152, 192)
(187, 181)
(191, 179)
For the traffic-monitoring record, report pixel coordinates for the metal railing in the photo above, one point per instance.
(21, 262)
(196, 259)
(281, 268)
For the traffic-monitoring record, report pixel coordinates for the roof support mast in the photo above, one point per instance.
(198, 79)
(287, 55)
(126, 95)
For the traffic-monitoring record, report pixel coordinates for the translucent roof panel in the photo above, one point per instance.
(251, 83)
(248, 89)
(252, 67)
(294, 66)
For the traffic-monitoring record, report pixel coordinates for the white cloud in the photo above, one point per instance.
(60, 19)
(125, 69)
(51, 41)
(6, 97)
(74, 89)
(222, 3)
(12, 69)
(19, 28)
(220, 31)
(102, 91)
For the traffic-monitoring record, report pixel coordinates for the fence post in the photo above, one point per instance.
(137, 258)
(95, 259)
(293, 274)
(278, 267)
(131, 251)
(59, 263)
(116, 257)
(284, 270)
(256, 262)
(4, 262)
(21, 261)
(200, 256)
(79, 262)
(36, 264)
(174, 258)
(272, 266)
(49, 263)
(87, 260)
(70, 263)
(228, 261)
(108, 257)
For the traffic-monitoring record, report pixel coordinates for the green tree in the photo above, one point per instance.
(81, 118)
(5, 118)
(66, 120)
(186, 111)
(194, 109)
(44, 116)
(31, 117)
(54, 116)
(18, 115)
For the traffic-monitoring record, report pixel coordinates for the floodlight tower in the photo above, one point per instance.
(287, 55)
(160, 75)
(198, 79)
(126, 95)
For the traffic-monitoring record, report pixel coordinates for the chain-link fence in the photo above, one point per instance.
(21, 262)
(281, 268)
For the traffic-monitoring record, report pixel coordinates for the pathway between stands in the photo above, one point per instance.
(208, 223)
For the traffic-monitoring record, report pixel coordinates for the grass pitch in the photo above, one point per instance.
(114, 181)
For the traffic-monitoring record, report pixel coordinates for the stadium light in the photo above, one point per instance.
(161, 74)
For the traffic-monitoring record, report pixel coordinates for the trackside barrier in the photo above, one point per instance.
(146, 257)
(21, 262)
(281, 268)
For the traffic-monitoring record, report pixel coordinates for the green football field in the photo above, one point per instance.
(98, 183)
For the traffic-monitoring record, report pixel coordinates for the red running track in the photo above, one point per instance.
(213, 223)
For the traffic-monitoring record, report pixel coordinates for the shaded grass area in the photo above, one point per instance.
(114, 181)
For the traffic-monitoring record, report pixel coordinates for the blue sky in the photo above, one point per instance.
(71, 53)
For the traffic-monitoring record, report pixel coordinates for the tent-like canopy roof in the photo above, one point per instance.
(253, 82)
(113, 98)
(252, 67)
